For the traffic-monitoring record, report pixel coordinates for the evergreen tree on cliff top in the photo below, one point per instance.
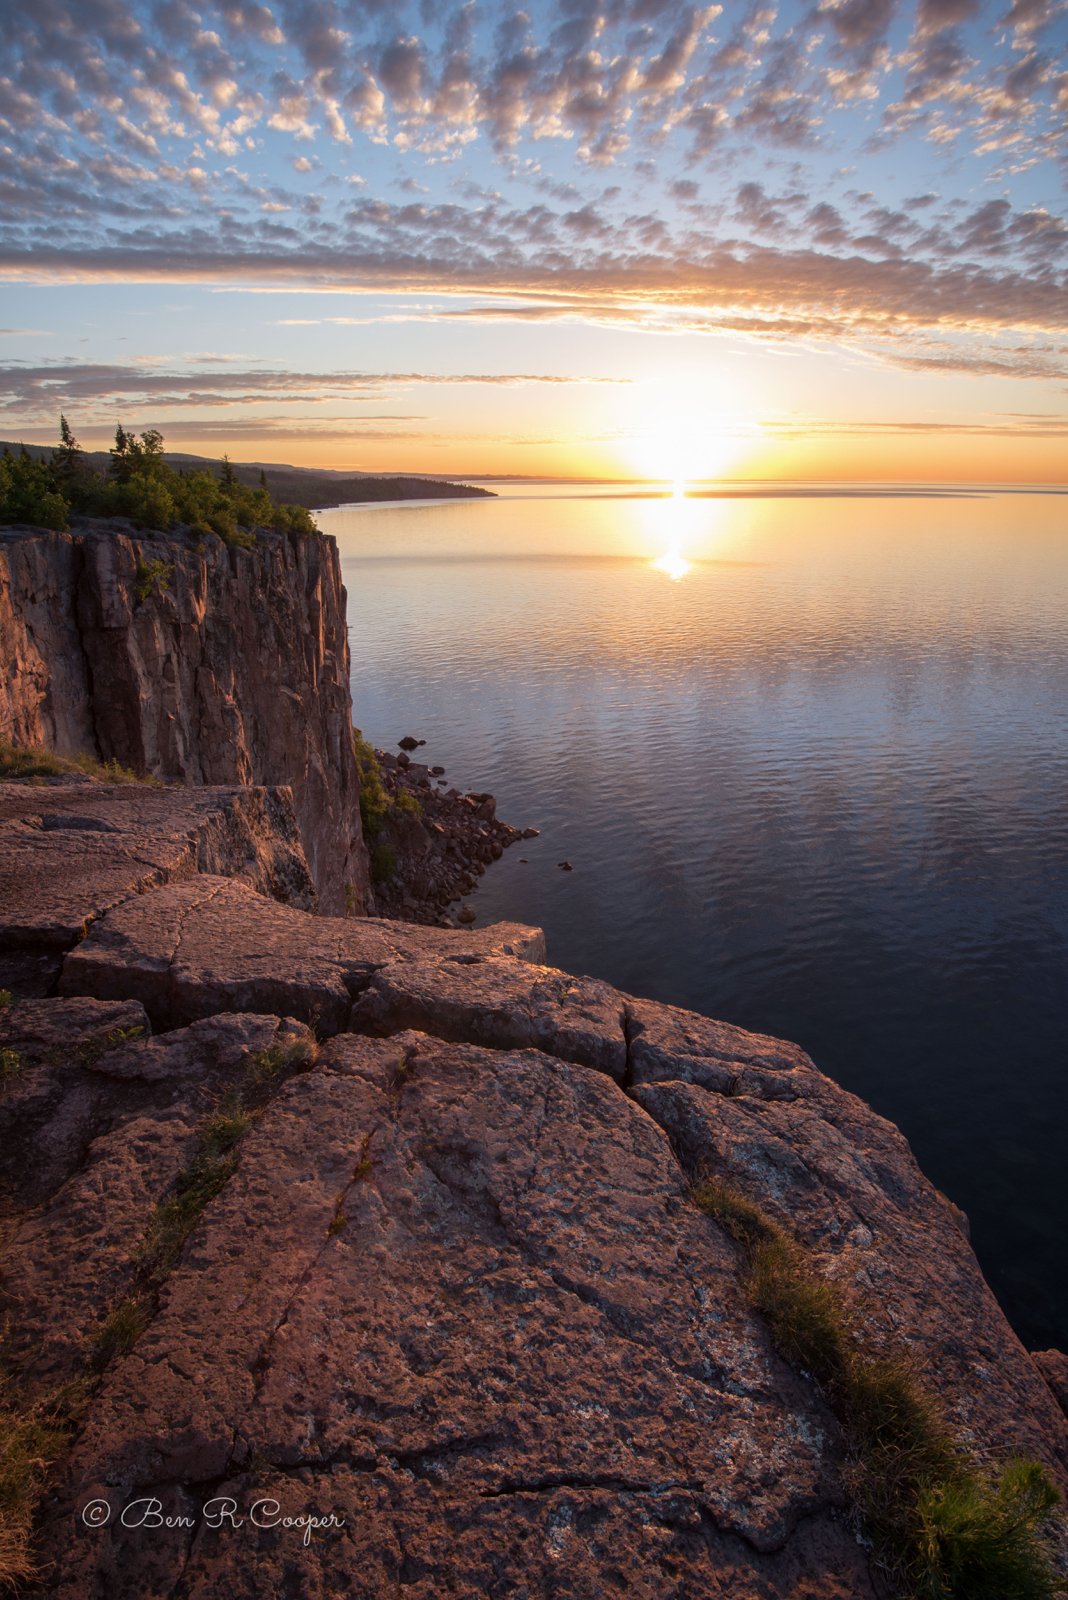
(68, 459)
(141, 486)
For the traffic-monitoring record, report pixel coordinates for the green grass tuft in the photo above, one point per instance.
(365, 1163)
(939, 1526)
(175, 1218)
(266, 1068)
(121, 1329)
(223, 1129)
(10, 1065)
(31, 1438)
(27, 764)
(978, 1539)
(804, 1311)
(6, 999)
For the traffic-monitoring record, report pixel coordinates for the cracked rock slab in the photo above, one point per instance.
(846, 1184)
(71, 852)
(504, 1004)
(99, 1127)
(212, 944)
(460, 1299)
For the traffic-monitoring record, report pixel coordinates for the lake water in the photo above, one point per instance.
(808, 755)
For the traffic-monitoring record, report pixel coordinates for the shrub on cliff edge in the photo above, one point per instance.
(28, 493)
(374, 801)
(152, 577)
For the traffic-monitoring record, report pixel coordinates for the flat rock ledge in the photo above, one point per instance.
(454, 1298)
(71, 850)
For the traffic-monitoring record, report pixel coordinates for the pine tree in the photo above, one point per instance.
(121, 465)
(68, 459)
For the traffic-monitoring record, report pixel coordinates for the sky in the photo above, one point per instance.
(630, 238)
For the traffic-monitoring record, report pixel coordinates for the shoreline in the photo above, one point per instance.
(440, 841)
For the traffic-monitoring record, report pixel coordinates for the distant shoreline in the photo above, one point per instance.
(296, 486)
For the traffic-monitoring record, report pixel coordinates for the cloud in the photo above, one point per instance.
(860, 25)
(1015, 364)
(935, 15)
(636, 162)
(425, 77)
(800, 266)
(1005, 427)
(33, 391)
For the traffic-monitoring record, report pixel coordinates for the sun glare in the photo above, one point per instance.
(687, 434)
(674, 527)
(673, 563)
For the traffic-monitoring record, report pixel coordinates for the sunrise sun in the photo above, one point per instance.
(688, 440)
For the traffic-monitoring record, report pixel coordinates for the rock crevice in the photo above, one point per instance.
(454, 1292)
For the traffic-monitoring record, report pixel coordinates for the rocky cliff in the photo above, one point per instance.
(194, 661)
(350, 1257)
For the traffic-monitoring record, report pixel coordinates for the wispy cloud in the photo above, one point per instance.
(42, 391)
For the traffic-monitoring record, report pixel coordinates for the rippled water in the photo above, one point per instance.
(815, 783)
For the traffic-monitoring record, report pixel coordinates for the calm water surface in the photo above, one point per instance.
(809, 758)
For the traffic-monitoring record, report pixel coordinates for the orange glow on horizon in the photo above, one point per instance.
(677, 448)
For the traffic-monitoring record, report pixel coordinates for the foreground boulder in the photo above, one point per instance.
(458, 1300)
(368, 1260)
(71, 851)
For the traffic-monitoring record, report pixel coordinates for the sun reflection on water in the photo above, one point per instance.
(674, 563)
(672, 525)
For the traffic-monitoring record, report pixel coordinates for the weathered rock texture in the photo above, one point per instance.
(101, 1120)
(70, 851)
(234, 668)
(211, 944)
(455, 1295)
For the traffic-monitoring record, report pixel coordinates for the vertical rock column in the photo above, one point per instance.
(194, 661)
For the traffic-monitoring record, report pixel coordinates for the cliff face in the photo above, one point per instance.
(195, 662)
(390, 1227)
(447, 1289)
